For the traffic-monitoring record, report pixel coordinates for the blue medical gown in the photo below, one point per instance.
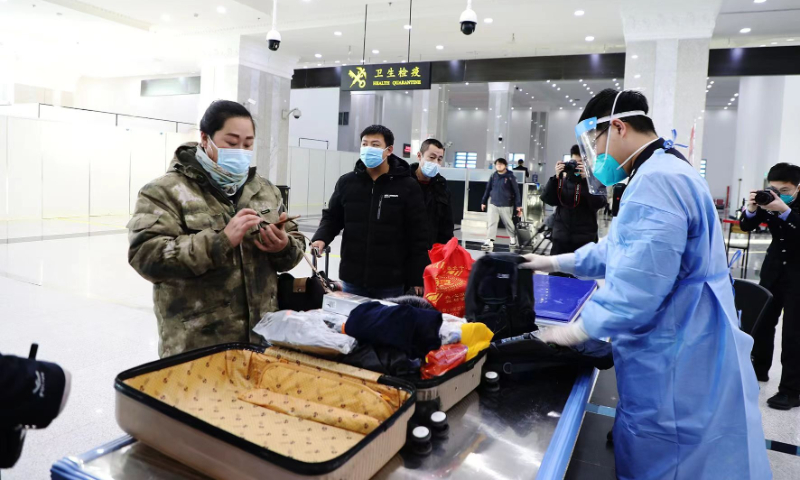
(688, 404)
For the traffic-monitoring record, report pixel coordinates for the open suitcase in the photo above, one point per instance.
(241, 411)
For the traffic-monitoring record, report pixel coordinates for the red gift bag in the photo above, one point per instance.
(446, 277)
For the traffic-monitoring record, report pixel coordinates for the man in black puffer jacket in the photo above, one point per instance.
(380, 209)
(575, 219)
(434, 191)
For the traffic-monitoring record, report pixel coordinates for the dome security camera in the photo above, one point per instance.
(295, 112)
(273, 40)
(469, 20)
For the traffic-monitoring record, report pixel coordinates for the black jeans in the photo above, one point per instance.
(784, 298)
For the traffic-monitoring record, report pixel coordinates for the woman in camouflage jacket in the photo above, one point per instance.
(195, 234)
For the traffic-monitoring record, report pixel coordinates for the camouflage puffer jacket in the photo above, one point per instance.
(205, 291)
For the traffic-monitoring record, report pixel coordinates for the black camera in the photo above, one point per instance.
(570, 166)
(764, 197)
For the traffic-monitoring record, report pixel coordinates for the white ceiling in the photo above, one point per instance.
(70, 38)
(533, 94)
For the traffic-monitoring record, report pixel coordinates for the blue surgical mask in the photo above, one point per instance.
(787, 199)
(430, 169)
(233, 160)
(371, 156)
(607, 170)
(227, 180)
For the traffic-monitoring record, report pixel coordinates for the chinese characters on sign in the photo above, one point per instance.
(404, 76)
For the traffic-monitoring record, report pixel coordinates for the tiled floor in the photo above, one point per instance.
(66, 285)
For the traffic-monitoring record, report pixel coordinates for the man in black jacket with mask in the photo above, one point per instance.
(575, 219)
(381, 211)
(435, 191)
(780, 274)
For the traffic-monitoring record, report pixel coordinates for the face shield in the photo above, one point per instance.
(601, 168)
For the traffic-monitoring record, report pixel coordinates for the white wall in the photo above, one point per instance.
(467, 130)
(397, 111)
(758, 133)
(123, 95)
(719, 149)
(51, 172)
(319, 121)
(520, 133)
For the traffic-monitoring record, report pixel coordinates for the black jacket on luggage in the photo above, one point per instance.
(575, 220)
(384, 225)
(438, 208)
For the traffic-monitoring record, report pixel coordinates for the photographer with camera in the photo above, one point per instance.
(575, 218)
(780, 274)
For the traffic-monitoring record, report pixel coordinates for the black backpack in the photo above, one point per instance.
(500, 295)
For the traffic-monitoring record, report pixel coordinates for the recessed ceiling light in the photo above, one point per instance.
(635, 57)
(376, 52)
(305, 66)
(384, 61)
(344, 64)
(589, 38)
(512, 108)
(567, 96)
(729, 104)
(613, 79)
(554, 85)
(406, 93)
(733, 99)
(165, 18)
(458, 107)
(466, 83)
(531, 109)
(402, 61)
(711, 82)
(559, 89)
(407, 27)
(616, 84)
(735, 94)
(561, 108)
(318, 55)
(548, 81)
(337, 33)
(725, 108)
(759, 1)
(790, 39)
(222, 9)
(532, 97)
(637, 76)
(476, 108)
(439, 47)
(746, 30)
(337, 61)
(591, 93)
(774, 43)
(584, 84)
(488, 20)
(709, 86)
(579, 13)
(319, 64)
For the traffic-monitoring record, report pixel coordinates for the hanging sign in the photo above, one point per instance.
(387, 76)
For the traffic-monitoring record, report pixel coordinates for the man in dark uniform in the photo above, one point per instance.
(435, 191)
(522, 168)
(780, 274)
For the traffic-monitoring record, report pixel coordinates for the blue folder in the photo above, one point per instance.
(560, 298)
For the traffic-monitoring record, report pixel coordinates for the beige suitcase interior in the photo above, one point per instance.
(453, 386)
(239, 411)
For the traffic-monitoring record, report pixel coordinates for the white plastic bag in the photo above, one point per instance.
(450, 331)
(305, 331)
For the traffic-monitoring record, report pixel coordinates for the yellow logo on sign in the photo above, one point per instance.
(360, 77)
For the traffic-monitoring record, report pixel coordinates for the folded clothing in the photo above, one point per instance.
(305, 331)
(476, 336)
(386, 360)
(414, 331)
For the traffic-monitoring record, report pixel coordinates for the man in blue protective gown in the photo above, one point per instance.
(688, 407)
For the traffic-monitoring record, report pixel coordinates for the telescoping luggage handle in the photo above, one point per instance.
(327, 283)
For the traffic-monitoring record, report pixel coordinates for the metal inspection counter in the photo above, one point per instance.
(525, 430)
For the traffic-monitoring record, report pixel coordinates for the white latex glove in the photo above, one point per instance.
(540, 263)
(572, 334)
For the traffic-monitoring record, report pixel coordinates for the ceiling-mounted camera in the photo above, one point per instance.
(273, 36)
(469, 19)
(273, 40)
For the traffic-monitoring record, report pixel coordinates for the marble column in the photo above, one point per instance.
(766, 131)
(429, 115)
(498, 129)
(366, 108)
(538, 143)
(667, 49)
(259, 79)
